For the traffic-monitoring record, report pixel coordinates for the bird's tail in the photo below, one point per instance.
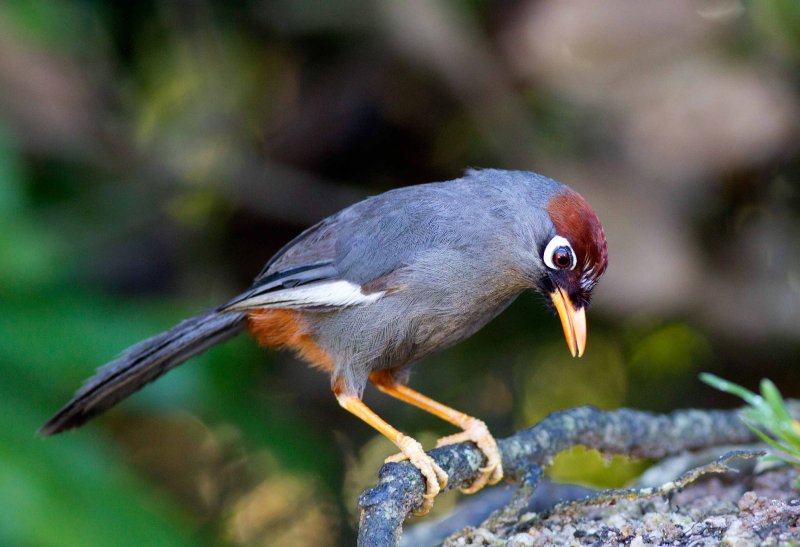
(142, 364)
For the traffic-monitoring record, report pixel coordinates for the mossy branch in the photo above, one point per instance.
(626, 432)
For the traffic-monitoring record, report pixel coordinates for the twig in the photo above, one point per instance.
(614, 496)
(628, 432)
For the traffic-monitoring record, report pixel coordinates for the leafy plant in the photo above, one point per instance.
(767, 416)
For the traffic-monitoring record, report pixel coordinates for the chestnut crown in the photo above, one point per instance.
(575, 253)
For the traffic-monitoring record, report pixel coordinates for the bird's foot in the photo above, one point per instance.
(435, 477)
(478, 433)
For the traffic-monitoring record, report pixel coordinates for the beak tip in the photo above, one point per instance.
(573, 320)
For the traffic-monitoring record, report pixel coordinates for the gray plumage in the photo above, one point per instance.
(453, 255)
(448, 257)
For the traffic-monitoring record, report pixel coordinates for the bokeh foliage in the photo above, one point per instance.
(154, 155)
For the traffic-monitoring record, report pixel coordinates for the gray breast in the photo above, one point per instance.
(439, 302)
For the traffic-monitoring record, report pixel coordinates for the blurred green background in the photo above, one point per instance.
(153, 155)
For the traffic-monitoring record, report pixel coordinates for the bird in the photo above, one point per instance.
(371, 290)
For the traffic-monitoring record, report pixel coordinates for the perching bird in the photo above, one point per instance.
(371, 290)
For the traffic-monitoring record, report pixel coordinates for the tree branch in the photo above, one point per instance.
(628, 432)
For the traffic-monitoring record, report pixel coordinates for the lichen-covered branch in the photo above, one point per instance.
(628, 432)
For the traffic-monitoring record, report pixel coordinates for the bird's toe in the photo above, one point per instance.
(435, 477)
(396, 458)
(477, 432)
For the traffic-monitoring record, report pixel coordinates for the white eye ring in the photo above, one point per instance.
(551, 248)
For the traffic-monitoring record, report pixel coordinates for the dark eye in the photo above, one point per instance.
(558, 254)
(563, 258)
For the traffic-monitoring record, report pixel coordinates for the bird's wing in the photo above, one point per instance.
(324, 293)
(355, 256)
(308, 272)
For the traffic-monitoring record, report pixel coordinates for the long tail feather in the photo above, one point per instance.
(142, 364)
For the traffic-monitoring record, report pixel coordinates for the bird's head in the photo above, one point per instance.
(574, 254)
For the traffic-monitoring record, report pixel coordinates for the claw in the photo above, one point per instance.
(478, 433)
(435, 477)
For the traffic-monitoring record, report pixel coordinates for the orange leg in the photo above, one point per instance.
(410, 448)
(474, 429)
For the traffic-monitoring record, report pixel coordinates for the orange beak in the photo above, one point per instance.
(572, 320)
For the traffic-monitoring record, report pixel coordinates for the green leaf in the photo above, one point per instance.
(767, 416)
(730, 387)
(767, 439)
(771, 394)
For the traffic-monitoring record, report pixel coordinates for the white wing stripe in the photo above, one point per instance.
(338, 293)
